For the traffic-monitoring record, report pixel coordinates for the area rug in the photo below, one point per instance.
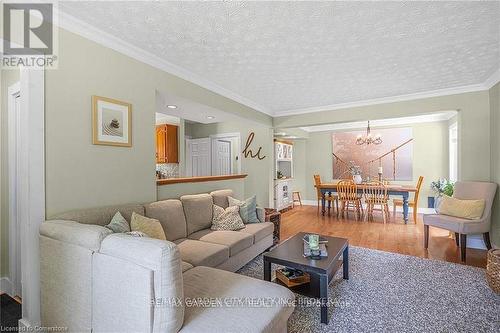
(10, 313)
(388, 292)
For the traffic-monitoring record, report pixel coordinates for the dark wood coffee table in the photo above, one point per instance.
(290, 254)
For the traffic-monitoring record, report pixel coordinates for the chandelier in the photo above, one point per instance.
(368, 139)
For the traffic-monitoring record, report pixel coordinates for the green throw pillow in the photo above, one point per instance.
(248, 208)
(118, 224)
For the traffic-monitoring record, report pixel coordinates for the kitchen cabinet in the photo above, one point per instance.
(167, 150)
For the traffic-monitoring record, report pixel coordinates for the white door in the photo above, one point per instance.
(198, 157)
(222, 160)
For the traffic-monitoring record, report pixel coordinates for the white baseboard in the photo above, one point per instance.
(422, 210)
(6, 285)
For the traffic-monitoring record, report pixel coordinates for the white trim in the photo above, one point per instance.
(427, 118)
(90, 32)
(492, 80)
(32, 187)
(385, 100)
(6, 286)
(14, 138)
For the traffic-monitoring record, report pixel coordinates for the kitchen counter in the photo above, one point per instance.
(167, 181)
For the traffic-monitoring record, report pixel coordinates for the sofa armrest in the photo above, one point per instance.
(261, 214)
(89, 236)
(164, 289)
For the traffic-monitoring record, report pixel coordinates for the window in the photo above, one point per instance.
(453, 147)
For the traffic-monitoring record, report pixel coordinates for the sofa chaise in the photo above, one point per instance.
(95, 281)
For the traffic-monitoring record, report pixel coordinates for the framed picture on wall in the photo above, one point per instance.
(111, 122)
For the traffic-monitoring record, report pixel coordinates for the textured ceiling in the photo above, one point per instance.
(294, 55)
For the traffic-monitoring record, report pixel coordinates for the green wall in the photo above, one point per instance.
(494, 94)
(430, 158)
(172, 191)
(7, 78)
(81, 175)
(260, 172)
(473, 119)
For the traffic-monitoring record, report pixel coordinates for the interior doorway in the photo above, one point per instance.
(222, 158)
(226, 154)
(198, 157)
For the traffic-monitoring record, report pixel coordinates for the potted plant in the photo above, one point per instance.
(441, 187)
(355, 171)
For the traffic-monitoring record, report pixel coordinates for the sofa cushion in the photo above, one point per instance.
(100, 216)
(220, 197)
(171, 216)
(185, 266)
(236, 241)
(118, 224)
(226, 219)
(248, 208)
(210, 283)
(198, 211)
(199, 253)
(258, 230)
(148, 226)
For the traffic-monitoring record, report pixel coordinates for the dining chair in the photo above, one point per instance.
(411, 203)
(463, 227)
(375, 193)
(328, 197)
(348, 196)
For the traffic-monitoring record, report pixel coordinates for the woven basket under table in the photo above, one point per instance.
(493, 270)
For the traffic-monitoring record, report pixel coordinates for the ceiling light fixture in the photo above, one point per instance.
(368, 139)
(170, 106)
(210, 117)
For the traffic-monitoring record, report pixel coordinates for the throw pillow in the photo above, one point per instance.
(248, 208)
(227, 219)
(118, 224)
(466, 209)
(150, 227)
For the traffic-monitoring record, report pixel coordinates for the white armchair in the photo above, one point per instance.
(464, 227)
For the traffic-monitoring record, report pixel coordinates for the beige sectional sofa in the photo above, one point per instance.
(93, 280)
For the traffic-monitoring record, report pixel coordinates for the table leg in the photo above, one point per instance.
(345, 263)
(405, 207)
(323, 296)
(323, 203)
(267, 270)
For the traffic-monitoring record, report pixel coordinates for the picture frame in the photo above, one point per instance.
(111, 122)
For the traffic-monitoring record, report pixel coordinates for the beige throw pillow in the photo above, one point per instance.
(466, 209)
(150, 227)
(227, 219)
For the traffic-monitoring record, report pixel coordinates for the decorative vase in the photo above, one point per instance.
(437, 201)
(357, 179)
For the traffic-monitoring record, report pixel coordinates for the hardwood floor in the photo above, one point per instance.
(394, 236)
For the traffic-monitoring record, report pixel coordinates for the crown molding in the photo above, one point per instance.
(92, 33)
(444, 115)
(386, 100)
(492, 80)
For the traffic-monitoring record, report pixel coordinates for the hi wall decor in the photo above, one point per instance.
(248, 152)
(393, 158)
(111, 122)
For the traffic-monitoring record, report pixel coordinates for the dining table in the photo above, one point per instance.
(392, 189)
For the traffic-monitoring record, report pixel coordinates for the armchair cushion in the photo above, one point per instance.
(456, 224)
(467, 209)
